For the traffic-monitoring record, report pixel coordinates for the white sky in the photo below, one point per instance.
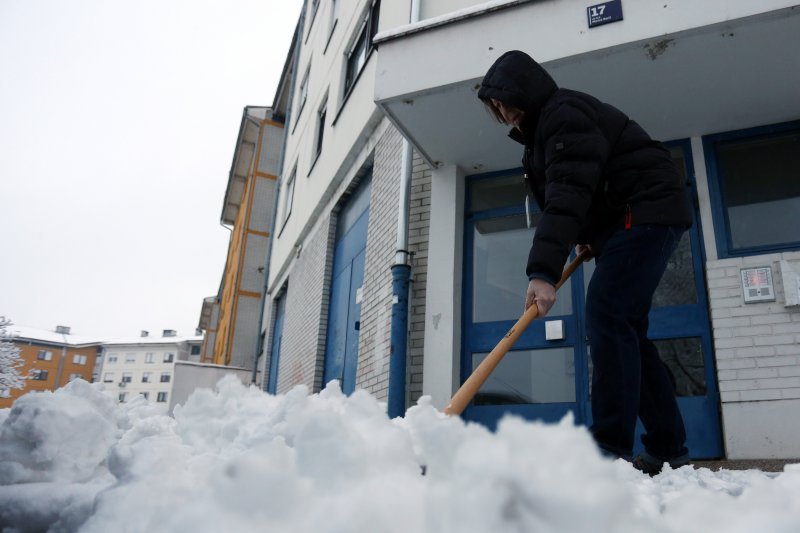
(118, 121)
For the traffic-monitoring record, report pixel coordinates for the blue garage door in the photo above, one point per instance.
(545, 378)
(341, 349)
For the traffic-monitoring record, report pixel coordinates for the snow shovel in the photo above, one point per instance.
(470, 387)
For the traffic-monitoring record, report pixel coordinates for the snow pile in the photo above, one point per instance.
(237, 459)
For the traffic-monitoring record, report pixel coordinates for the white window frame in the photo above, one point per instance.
(146, 377)
(169, 357)
(288, 196)
(127, 377)
(162, 397)
(319, 138)
(165, 375)
(150, 357)
(108, 377)
(112, 358)
(130, 358)
(365, 30)
(302, 92)
(44, 355)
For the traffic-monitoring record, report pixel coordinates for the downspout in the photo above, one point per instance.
(401, 276)
(276, 198)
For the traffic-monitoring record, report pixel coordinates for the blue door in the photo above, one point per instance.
(341, 347)
(543, 379)
(277, 338)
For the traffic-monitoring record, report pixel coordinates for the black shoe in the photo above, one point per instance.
(651, 465)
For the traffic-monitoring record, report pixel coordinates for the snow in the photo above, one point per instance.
(237, 459)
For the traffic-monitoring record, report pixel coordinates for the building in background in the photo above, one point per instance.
(330, 298)
(231, 319)
(145, 365)
(52, 358)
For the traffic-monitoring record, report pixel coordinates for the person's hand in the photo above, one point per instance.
(542, 293)
(579, 248)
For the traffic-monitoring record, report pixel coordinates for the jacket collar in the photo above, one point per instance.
(517, 135)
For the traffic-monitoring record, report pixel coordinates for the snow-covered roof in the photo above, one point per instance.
(134, 341)
(51, 337)
(29, 333)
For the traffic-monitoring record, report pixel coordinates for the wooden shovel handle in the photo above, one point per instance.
(470, 388)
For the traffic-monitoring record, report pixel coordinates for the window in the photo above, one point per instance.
(79, 359)
(39, 375)
(146, 395)
(303, 95)
(130, 358)
(122, 396)
(323, 110)
(332, 19)
(108, 377)
(44, 355)
(150, 357)
(127, 377)
(73, 377)
(146, 377)
(165, 377)
(314, 5)
(362, 46)
(288, 195)
(162, 397)
(755, 178)
(112, 358)
(169, 357)
(195, 350)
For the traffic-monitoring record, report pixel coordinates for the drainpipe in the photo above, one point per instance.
(401, 276)
(267, 261)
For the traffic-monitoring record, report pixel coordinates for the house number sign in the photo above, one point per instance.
(604, 13)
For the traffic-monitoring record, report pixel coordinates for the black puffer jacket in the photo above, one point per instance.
(591, 169)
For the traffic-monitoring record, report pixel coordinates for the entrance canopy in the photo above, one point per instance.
(695, 80)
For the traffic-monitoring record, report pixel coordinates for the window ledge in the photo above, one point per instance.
(352, 87)
(330, 36)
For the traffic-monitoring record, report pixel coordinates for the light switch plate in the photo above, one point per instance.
(554, 330)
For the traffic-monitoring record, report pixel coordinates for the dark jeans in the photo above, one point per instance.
(629, 378)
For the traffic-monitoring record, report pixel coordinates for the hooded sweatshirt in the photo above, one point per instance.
(592, 170)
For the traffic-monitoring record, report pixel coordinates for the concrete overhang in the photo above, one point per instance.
(206, 311)
(724, 75)
(242, 160)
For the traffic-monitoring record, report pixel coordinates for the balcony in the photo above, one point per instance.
(679, 67)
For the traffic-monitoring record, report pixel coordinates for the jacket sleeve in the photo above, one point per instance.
(575, 151)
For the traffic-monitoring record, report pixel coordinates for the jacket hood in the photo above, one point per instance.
(516, 79)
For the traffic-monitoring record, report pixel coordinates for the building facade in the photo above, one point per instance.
(145, 365)
(716, 81)
(231, 320)
(52, 359)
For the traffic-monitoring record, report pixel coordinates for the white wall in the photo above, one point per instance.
(192, 376)
(349, 123)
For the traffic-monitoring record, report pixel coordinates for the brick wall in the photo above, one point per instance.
(304, 329)
(757, 345)
(376, 307)
(418, 233)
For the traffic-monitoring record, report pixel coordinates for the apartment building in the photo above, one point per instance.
(145, 365)
(380, 99)
(51, 358)
(231, 319)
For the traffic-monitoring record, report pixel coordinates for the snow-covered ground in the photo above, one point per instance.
(240, 460)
